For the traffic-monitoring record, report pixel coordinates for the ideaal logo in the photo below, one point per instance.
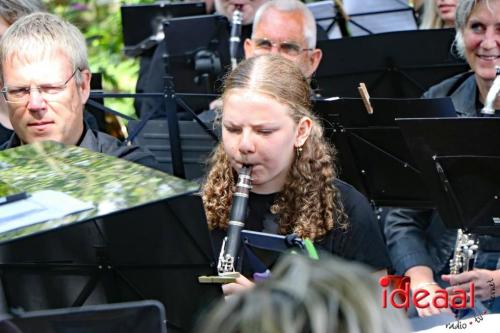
(399, 296)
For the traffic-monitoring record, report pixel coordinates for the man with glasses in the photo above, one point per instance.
(286, 27)
(45, 80)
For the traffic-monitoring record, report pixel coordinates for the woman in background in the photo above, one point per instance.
(438, 14)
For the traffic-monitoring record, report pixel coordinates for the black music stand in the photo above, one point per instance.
(129, 317)
(400, 64)
(194, 54)
(156, 251)
(261, 250)
(142, 25)
(372, 153)
(198, 52)
(459, 159)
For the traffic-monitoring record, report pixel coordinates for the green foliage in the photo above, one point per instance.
(100, 22)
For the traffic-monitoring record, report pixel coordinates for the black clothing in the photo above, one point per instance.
(362, 241)
(5, 134)
(106, 144)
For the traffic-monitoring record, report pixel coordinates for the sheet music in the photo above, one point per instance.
(41, 206)
(369, 6)
(364, 13)
(323, 12)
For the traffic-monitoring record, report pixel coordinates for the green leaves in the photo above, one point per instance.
(100, 22)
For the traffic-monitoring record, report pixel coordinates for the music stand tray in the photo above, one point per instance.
(402, 64)
(130, 317)
(459, 159)
(146, 238)
(372, 153)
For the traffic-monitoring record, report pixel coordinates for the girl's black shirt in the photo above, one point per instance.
(362, 241)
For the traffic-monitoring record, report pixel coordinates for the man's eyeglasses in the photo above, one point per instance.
(288, 48)
(14, 94)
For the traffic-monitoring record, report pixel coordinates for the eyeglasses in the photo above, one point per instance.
(288, 48)
(48, 91)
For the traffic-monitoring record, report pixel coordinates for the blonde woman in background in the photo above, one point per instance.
(438, 14)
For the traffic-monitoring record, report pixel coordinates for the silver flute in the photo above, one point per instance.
(489, 108)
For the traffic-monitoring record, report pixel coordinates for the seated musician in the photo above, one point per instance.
(268, 125)
(419, 244)
(288, 28)
(45, 80)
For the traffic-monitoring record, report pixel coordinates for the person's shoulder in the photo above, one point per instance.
(447, 86)
(11, 142)
(349, 193)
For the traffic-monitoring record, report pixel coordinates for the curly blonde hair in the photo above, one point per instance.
(309, 205)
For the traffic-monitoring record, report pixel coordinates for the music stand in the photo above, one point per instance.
(372, 153)
(142, 25)
(459, 159)
(194, 53)
(400, 64)
(260, 250)
(198, 52)
(129, 317)
(147, 238)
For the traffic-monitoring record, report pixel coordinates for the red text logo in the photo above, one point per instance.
(400, 296)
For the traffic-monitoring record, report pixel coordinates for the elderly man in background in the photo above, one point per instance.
(288, 28)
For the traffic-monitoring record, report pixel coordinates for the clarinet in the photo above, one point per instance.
(231, 243)
(235, 38)
(466, 247)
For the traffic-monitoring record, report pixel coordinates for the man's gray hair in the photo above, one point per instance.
(291, 6)
(12, 10)
(462, 14)
(37, 35)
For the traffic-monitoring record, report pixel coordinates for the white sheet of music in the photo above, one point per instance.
(382, 22)
(365, 16)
